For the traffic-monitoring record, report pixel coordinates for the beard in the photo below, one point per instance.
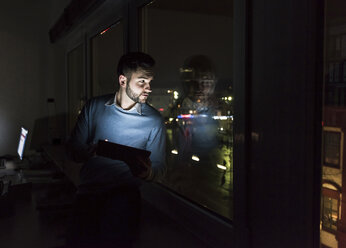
(133, 96)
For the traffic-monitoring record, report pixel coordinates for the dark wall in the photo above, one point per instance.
(31, 69)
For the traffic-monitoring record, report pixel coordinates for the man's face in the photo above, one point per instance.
(138, 88)
(201, 87)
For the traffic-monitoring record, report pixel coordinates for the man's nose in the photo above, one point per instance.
(147, 88)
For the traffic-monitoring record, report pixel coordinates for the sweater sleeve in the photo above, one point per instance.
(157, 145)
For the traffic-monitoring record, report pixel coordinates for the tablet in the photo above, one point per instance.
(119, 152)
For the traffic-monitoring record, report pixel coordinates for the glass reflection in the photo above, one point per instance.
(193, 91)
(199, 131)
(196, 126)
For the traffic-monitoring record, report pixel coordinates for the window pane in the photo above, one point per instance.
(331, 147)
(329, 213)
(334, 122)
(76, 89)
(106, 49)
(193, 91)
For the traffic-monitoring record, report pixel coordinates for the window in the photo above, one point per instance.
(193, 90)
(330, 209)
(106, 49)
(332, 143)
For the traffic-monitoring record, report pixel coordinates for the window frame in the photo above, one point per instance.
(71, 49)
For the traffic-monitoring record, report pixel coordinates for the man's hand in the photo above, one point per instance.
(139, 166)
(81, 155)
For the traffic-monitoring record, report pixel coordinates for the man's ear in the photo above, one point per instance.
(122, 81)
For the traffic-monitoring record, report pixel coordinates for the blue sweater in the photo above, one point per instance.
(141, 127)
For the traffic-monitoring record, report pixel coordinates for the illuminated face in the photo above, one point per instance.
(138, 88)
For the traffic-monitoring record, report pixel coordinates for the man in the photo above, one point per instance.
(108, 201)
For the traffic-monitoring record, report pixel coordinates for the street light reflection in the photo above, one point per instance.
(194, 157)
(222, 167)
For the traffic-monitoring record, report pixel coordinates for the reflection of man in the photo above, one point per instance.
(197, 128)
(108, 199)
(198, 79)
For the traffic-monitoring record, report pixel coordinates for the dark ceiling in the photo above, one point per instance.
(219, 7)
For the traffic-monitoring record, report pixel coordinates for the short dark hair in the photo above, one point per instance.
(134, 61)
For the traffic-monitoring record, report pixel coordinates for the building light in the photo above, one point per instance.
(169, 91)
(171, 119)
(229, 98)
(174, 151)
(195, 158)
(222, 167)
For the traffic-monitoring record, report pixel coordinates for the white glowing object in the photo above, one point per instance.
(194, 157)
(222, 167)
(175, 94)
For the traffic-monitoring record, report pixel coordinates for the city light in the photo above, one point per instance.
(194, 157)
(187, 116)
(175, 94)
(171, 119)
(169, 91)
(174, 151)
(227, 98)
(185, 70)
(223, 117)
(222, 167)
